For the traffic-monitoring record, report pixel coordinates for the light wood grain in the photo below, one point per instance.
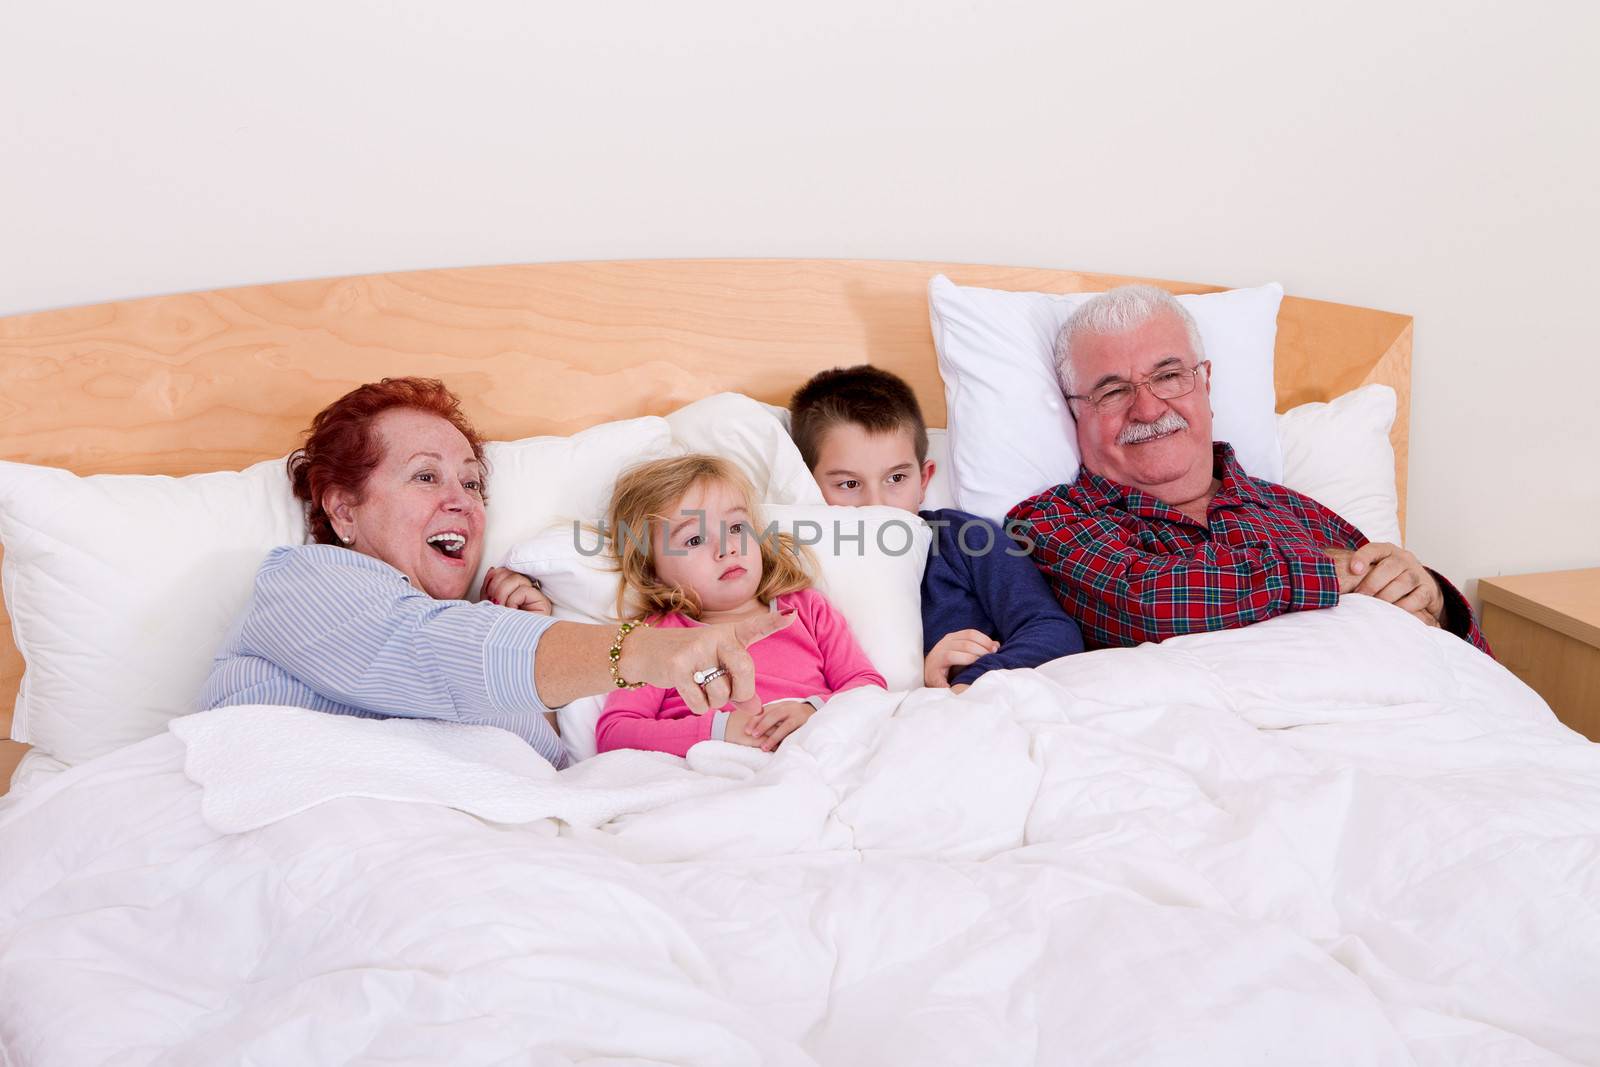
(1565, 601)
(1561, 669)
(203, 381)
(218, 380)
(11, 752)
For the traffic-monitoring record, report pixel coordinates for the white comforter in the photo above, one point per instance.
(1333, 838)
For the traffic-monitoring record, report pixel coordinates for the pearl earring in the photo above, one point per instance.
(347, 539)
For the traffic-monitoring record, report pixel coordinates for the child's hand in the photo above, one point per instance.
(955, 650)
(737, 732)
(775, 721)
(516, 591)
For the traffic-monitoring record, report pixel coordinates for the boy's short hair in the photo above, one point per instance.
(875, 399)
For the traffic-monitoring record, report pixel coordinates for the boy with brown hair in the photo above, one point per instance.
(984, 604)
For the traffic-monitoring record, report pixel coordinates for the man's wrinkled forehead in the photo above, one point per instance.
(1152, 345)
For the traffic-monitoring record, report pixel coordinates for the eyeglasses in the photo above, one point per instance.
(1113, 398)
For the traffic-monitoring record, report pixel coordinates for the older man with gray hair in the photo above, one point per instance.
(1163, 533)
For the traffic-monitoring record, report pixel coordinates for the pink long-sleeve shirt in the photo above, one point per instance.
(815, 655)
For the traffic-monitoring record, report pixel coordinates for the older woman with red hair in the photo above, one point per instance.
(372, 618)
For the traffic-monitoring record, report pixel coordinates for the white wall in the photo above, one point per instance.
(1438, 159)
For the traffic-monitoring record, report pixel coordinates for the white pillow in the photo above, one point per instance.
(121, 587)
(941, 487)
(1011, 433)
(748, 432)
(576, 722)
(781, 414)
(539, 483)
(575, 570)
(870, 563)
(1338, 453)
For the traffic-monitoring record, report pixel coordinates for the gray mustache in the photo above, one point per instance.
(1139, 432)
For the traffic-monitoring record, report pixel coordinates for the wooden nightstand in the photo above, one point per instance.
(1546, 629)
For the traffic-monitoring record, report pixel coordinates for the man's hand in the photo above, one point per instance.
(1348, 580)
(768, 727)
(512, 590)
(953, 650)
(1392, 574)
(1426, 619)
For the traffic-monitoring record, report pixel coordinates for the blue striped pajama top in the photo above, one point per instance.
(333, 630)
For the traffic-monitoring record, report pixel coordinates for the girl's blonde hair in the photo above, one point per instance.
(639, 506)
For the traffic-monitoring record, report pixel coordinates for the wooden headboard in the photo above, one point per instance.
(219, 380)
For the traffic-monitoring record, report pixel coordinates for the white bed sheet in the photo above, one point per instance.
(1338, 837)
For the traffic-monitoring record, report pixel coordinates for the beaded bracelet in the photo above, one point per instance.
(616, 653)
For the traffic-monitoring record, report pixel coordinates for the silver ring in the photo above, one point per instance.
(708, 675)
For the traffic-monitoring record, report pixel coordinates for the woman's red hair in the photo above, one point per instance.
(341, 450)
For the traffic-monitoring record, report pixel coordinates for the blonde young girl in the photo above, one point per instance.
(689, 545)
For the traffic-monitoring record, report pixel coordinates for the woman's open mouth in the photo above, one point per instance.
(448, 543)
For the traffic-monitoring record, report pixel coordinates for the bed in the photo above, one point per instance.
(1334, 837)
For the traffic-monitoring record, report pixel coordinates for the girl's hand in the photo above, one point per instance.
(738, 732)
(768, 727)
(512, 590)
(953, 650)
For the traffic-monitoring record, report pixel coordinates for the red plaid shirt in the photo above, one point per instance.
(1131, 568)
